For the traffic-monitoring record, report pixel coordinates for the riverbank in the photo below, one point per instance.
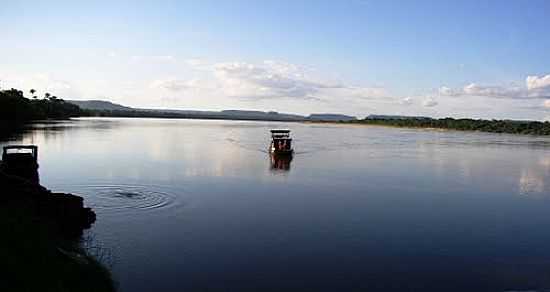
(37, 252)
(471, 125)
(35, 257)
(515, 127)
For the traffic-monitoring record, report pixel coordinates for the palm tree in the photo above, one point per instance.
(33, 91)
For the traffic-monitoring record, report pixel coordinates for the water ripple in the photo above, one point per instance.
(128, 197)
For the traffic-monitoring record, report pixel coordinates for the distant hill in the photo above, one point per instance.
(330, 117)
(189, 114)
(395, 117)
(262, 115)
(99, 105)
(109, 109)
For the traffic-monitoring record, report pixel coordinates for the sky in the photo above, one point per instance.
(478, 59)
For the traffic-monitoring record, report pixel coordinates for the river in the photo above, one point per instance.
(195, 205)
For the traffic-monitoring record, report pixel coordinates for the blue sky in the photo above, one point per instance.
(440, 58)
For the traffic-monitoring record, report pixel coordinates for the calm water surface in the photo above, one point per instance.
(190, 205)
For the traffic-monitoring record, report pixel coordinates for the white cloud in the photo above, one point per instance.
(252, 81)
(474, 89)
(406, 101)
(273, 79)
(174, 84)
(535, 87)
(494, 91)
(285, 68)
(535, 82)
(430, 102)
(538, 86)
(446, 91)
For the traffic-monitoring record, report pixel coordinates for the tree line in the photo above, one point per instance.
(493, 126)
(15, 107)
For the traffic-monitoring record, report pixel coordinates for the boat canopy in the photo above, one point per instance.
(280, 134)
(31, 150)
(280, 131)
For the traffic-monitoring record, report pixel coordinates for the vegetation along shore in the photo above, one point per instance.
(491, 126)
(16, 110)
(41, 245)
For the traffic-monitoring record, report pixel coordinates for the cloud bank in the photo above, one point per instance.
(430, 102)
(276, 85)
(268, 80)
(535, 88)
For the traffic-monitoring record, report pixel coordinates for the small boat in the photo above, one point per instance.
(20, 160)
(281, 143)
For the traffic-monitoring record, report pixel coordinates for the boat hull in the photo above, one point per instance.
(281, 152)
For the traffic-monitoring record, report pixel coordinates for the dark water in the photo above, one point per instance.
(188, 205)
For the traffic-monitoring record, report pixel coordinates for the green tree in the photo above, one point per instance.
(33, 91)
(47, 95)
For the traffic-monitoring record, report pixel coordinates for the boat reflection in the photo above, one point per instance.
(280, 162)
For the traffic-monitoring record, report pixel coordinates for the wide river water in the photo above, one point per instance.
(193, 205)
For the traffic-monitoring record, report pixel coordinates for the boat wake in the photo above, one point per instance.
(240, 144)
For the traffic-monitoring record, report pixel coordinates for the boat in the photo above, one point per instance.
(20, 160)
(281, 143)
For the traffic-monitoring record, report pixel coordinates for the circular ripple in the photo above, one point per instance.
(128, 197)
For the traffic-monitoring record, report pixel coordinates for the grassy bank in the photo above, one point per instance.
(36, 257)
(490, 126)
